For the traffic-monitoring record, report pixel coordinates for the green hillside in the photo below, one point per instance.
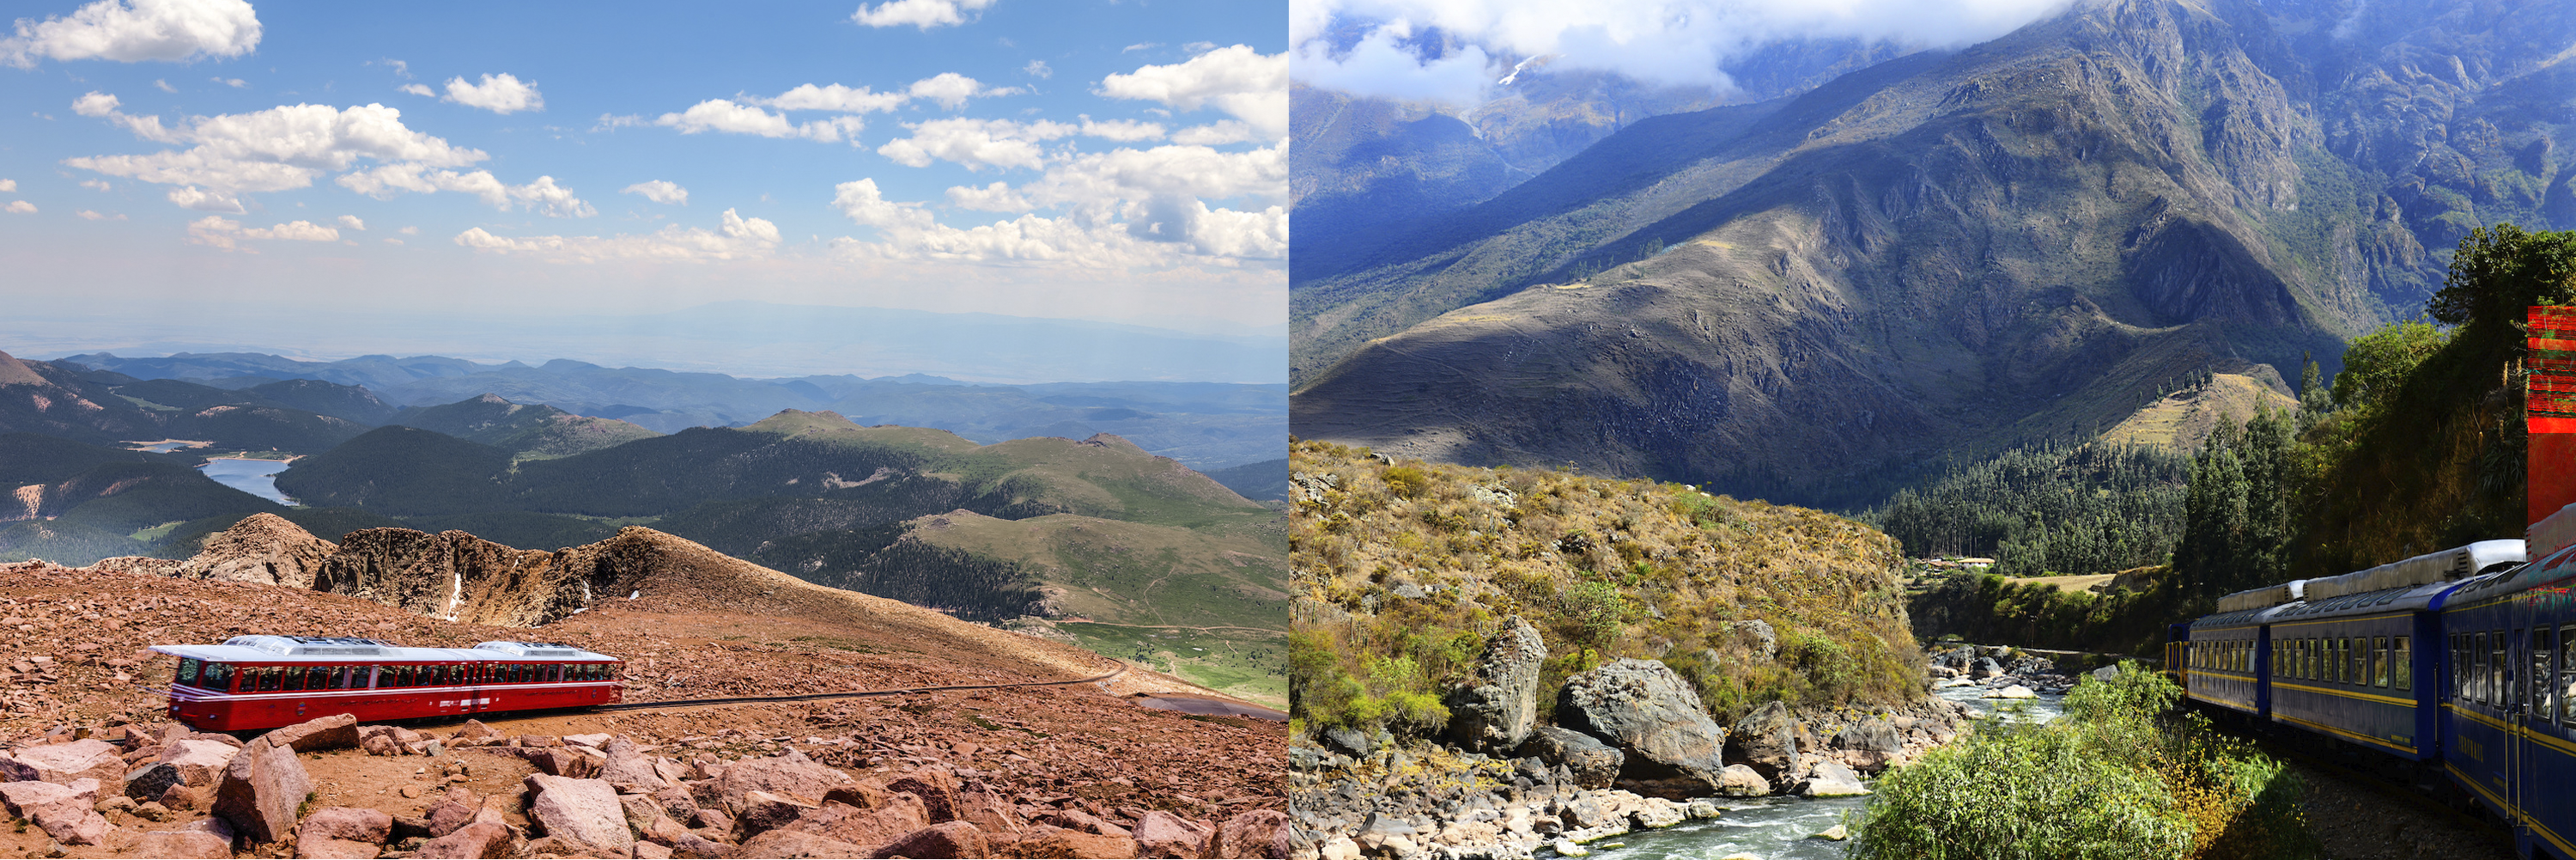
(528, 432)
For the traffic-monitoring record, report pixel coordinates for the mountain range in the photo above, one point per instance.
(1949, 251)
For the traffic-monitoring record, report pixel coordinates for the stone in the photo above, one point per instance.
(336, 732)
(1083, 822)
(1496, 710)
(628, 766)
(1767, 739)
(798, 844)
(792, 775)
(1050, 841)
(867, 828)
(68, 813)
(178, 797)
(2015, 691)
(188, 843)
(63, 763)
(676, 802)
(476, 840)
(199, 762)
(1869, 744)
(380, 744)
(1832, 779)
(1742, 781)
(579, 810)
(1594, 764)
(262, 548)
(337, 849)
(261, 791)
(346, 822)
(763, 811)
(936, 785)
(476, 730)
(594, 741)
(1162, 834)
(1649, 713)
(1340, 848)
(945, 839)
(1348, 741)
(1758, 637)
(1835, 833)
(1249, 834)
(453, 811)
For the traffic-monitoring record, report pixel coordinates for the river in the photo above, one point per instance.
(1784, 828)
(256, 477)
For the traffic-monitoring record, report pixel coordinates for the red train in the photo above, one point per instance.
(260, 682)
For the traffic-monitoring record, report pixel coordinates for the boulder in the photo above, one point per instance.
(63, 763)
(261, 790)
(336, 732)
(1496, 710)
(476, 840)
(867, 828)
(579, 810)
(628, 766)
(185, 843)
(1050, 841)
(1741, 781)
(68, 813)
(1758, 637)
(198, 762)
(336, 849)
(2013, 691)
(1348, 741)
(945, 839)
(1832, 779)
(792, 775)
(1594, 764)
(763, 811)
(1162, 834)
(1259, 833)
(1869, 744)
(798, 844)
(936, 785)
(346, 822)
(453, 811)
(1647, 711)
(1767, 739)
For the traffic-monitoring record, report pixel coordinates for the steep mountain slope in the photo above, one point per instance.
(78, 503)
(71, 401)
(529, 432)
(1942, 253)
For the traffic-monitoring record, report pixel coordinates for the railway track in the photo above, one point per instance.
(855, 694)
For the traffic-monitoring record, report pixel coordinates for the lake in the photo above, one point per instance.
(256, 477)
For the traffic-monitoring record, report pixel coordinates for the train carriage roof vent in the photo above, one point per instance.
(313, 646)
(531, 649)
(2454, 563)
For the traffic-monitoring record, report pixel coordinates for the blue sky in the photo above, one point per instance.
(211, 173)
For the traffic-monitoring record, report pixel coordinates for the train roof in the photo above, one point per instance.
(2556, 566)
(2441, 567)
(339, 649)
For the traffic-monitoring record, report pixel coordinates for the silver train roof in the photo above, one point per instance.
(334, 649)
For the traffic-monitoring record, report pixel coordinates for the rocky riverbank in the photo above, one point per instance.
(2002, 671)
(1632, 747)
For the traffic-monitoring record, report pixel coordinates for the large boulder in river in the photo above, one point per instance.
(1593, 763)
(1869, 744)
(1767, 739)
(1495, 712)
(1647, 711)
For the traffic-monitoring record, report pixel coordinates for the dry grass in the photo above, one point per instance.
(1604, 568)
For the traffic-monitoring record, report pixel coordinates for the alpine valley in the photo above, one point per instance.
(1867, 259)
(964, 498)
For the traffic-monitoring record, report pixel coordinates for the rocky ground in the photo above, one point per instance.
(73, 668)
(1632, 748)
(2004, 673)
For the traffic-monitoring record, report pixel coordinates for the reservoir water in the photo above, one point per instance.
(256, 477)
(1784, 828)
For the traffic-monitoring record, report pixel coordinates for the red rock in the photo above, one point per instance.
(937, 787)
(763, 811)
(475, 729)
(1259, 833)
(792, 775)
(181, 797)
(199, 762)
(64, 762)
(477, 840)
(336, 732)
(336, 849)
(1084, 822)
(651, 851)
(346, 822)
(947, 839)
(261, 791)
(867, 828)
(1162, 834)
(191, 843)
(628, 766)
(677, 803)
(66, 812)
(380, 745)
(1046, 840)
(581, 810)
(798, 844)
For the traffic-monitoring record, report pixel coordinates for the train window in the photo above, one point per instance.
(2541, 702)
(2499, 672)
(188, 667)
(2379, 667)
(319, 677)
(268, 678)
(2478, 668)
(294, 677)
(217, 676)
(2401, 667)
(2459, 664)
(2566, 675)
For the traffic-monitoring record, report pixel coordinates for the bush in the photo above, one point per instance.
(2120, 776)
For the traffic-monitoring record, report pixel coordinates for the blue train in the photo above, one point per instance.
(2462, 660)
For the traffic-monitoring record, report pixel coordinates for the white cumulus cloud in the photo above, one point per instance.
(136, 30)
(836, 98)
(924, 14)
(93, 184)
(7, 185)
(93, 215)
(281, 148)
(659, 191)
(732, 117)
(1235, 79)
(352, 222)
(418, 90)
(192, 197)
(221, 232)
(501, 94)
(542, 196)
(21, 207)
(735, 237)
(95, 103)
(976, 143)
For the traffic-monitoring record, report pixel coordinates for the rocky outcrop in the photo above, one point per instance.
(64, 811)
(1591, 763)
(262, 548)
(584, 812)
(1648, 712)
(262, 790)
(1768, 740)
(1495, 711)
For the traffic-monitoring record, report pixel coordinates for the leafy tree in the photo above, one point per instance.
(2498, 274)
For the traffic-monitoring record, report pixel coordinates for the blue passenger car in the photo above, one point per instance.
(2507, 732)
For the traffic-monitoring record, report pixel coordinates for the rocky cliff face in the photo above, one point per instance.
(262, 548)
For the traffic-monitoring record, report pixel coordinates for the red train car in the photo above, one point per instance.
(261, 682)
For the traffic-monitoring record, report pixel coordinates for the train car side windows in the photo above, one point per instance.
(2401, 668)
(218, 676)
(2540, 700)
(2379, 661)
(2477, 668)
(2499, 671)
